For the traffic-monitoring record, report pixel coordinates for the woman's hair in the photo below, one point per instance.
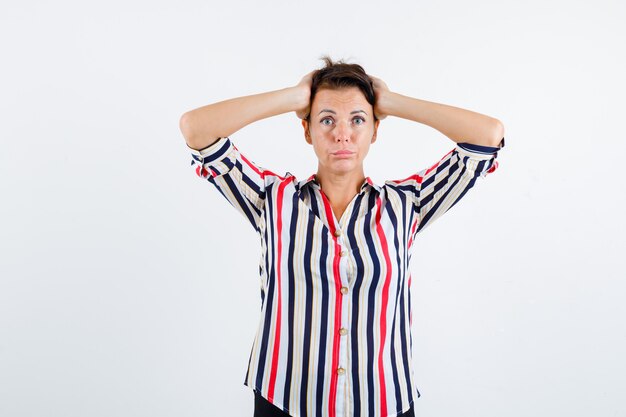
(339, 74)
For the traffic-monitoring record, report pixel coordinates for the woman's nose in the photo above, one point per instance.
(342, 132)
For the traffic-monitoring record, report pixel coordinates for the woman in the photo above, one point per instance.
(334, 338)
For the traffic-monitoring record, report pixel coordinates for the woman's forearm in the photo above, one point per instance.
(204, 125)
(458, 124)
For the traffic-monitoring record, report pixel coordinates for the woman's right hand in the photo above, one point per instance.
(304, 95)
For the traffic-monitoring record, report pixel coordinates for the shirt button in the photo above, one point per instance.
(337, 232)
(344, 290)
(341, 371)
(343, 331)
(344, 253)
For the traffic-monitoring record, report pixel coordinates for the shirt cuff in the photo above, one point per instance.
(479, 151)
(212, 153)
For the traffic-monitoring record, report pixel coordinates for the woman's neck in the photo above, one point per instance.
(340, 188)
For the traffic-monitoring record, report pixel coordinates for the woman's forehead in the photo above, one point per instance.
(340, 98)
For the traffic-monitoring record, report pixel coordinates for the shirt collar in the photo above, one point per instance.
(313, 182)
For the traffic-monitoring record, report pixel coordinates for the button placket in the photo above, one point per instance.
(342, 366)
(343, 253)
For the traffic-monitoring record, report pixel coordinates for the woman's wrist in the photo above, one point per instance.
(395, 104)
(384, 104)
(300, 96)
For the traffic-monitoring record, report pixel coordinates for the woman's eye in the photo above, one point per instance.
(358, 120)
(327, 122)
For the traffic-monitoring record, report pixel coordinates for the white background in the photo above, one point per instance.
(129, 287)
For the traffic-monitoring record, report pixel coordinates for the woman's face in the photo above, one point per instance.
(341, 128)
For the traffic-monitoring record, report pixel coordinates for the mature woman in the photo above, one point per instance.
(334, 338)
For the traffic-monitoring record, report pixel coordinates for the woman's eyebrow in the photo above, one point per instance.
(334, 112)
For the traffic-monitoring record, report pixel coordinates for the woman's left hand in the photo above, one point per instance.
(380, 91)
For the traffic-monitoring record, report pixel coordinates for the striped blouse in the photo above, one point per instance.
(334, 336)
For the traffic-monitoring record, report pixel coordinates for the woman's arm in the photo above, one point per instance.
(205, 125)
(458, 124)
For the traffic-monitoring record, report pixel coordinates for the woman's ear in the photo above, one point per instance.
(307, 136)
(375, 135)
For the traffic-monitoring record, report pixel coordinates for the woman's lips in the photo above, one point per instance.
(343, 153)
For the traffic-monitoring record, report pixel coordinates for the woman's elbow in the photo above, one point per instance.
(498, 133)
(185, 125)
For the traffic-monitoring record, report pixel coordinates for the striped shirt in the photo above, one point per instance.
(334, 337)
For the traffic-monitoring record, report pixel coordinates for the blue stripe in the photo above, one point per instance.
(480, 166)
(403, 319)
(217, 154)
(308, 318)
(487, 150)
(371, 303)
(356, 286)
(323, 260)
(399, 290)
(271, 279)
(291, 297)
(435, 208)
(241, 201)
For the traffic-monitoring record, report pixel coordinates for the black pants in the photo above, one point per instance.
(264, 408)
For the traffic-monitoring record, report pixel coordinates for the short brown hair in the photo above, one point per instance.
(339, 74)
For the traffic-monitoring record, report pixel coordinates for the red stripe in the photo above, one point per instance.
(410, 311)
(419, 178)
(412, 177)
(202, 172)
(329, 215)
(337, 278)
(412, 233)
(383, 312)
(279, 225)
(263, 173)
(493, 167)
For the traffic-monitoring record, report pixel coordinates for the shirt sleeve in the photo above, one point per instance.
(242, 182)
(437, 189)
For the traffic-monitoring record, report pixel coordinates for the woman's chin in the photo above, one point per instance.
(343, 167)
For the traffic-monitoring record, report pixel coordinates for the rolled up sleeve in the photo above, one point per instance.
(238, 179)
(437, 189)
